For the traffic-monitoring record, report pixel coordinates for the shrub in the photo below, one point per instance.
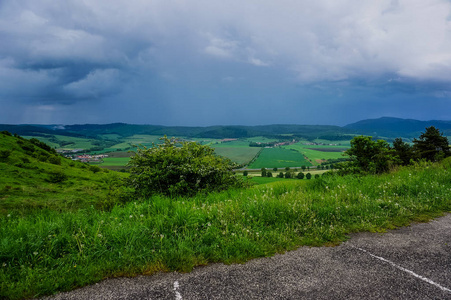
(245, 173)
(308, 176)
(4, 154)
(57, 177)
(95, 169)
(42, 145)
(53, 159)
(27, 147)
(180, 168)
(300, 175)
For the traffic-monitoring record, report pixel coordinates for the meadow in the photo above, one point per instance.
(45, 251)
(65, 224)
(279, 158)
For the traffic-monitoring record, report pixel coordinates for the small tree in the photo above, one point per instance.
(288, 175)
(280, 175)
(274, 169)
(263, 172)
(287, 169)
(300, 175)
(370, 156)
(268, 174)
(431, 145)
(403, 151)
(179, 168)
(303, 168)
(245, 173)
(308, 176)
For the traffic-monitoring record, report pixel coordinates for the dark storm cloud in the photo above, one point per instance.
(205, 62)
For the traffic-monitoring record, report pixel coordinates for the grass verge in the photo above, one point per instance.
(47, 251)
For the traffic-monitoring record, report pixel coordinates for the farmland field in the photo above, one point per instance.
(115, 161)
(280, 158)
(143, 139)
(240, 155)
(317, 153)
(66, 142)
(237, 143)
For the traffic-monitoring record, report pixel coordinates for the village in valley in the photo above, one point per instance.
(72, 154)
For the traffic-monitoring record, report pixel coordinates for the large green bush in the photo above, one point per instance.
(177, 168)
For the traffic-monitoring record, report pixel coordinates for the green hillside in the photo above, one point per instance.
(396, 127)
(33, 175)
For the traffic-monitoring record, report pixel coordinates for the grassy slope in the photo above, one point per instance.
(57, 247)
(75, 142)
(27, 180)
(233, 226)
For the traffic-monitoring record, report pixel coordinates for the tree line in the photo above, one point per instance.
(378, 156)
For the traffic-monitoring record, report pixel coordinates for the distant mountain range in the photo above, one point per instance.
(385, 127)
(396, 127)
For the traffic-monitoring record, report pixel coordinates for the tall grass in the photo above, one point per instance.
(46, 251)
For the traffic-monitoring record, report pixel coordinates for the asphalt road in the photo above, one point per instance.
(409, 263)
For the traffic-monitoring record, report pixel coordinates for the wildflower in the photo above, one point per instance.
(161, 236)
(131, 216)
(142, 216)
(102, 222)
(35, 253)
(99, 235)
(4, 264)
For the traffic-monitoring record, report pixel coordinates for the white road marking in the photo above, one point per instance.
(407, 271)
(177, 294)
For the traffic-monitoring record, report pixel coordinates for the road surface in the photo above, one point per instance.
(408, 263)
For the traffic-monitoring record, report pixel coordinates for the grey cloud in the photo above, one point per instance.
(211, 53)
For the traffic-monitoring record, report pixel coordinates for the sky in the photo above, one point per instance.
(216, 62)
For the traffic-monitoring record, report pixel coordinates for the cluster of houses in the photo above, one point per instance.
(86, 157)
(89, 158)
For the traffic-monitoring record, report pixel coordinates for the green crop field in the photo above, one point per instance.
(280, 158)
(237, 143)
(313, 154)
(240, 155)
(143, 139)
